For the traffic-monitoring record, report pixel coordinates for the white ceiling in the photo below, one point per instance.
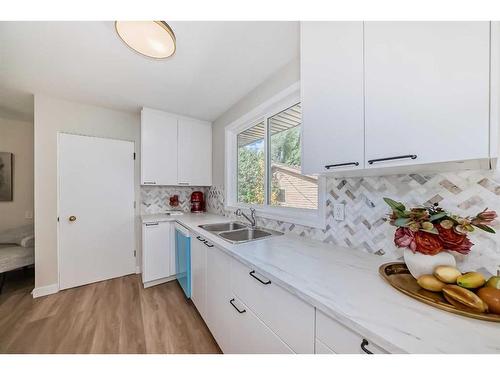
(215, 65)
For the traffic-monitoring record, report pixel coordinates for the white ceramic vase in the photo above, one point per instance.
(420, 264)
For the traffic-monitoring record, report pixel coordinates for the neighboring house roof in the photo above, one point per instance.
(300, 191)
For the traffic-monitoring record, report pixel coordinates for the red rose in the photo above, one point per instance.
(463, 248)
(403, 237)
(449, 236)
(454, 241)
(428, 243)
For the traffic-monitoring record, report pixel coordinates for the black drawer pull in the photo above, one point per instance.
(149, 183)
(252, 273)
(201, 239)
(364, 343)
(240, 311)
(208, 244)
(151, 224)
(355, 163)
(393, 158)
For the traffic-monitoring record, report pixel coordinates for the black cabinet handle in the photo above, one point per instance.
(151, 224)
(393, 158)
(364, 343)
(201, 239)
(252, 273)
(208, 244)
(355, 163)
(232, 303)
(149, 183)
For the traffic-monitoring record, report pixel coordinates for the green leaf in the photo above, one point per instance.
(437, 216)
(433, 230)
(485, 228)
(401, 222)
(396, 206)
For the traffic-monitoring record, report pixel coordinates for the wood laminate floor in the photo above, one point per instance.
(113, 316)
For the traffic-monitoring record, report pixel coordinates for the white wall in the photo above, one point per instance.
(53, 116)
(285, 77)
(17, 137)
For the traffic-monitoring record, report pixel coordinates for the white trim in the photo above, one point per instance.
(159, 281)
(279, 102)
(45, 290)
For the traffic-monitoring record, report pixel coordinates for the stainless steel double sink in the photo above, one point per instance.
(236, 232)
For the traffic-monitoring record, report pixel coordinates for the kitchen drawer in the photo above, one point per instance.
(322, 348)
(288, 316)
(341, 339)
(249, 335)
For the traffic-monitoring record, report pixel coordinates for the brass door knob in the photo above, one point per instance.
(72, 218)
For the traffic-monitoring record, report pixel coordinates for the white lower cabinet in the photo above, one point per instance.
(218, 310)
(321, 348)
(290, 317)
(157, 252)
(339, 339)
(248, 313)
(199, 273)
(249, 335)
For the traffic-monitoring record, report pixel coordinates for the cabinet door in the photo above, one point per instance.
(198, 273)
(249, 335)
(158, 148)
(427, 92)
(218, 295)
(156, 250)
(340, 339)
(288, 316)
(195, 153)
(332, 96)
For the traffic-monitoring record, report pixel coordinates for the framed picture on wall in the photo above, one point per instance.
(5, 176)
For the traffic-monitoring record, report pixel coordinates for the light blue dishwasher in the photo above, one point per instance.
(183, 258)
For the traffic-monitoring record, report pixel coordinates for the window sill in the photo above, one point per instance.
(310, 218)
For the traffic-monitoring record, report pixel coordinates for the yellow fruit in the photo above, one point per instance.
(471, 280)
(465, 297)
(429, 282)
(447, 274)
(494, 281)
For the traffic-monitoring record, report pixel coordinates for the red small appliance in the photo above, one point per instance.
(197, 202)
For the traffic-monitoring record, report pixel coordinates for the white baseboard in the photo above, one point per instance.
(45, 290)
(159, 281)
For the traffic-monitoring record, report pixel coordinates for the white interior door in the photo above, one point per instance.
(96, 209)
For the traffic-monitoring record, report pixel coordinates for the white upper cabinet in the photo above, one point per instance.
(175, 150)
(195, 153)
(398, 96)
(158, 148)
(332, 96)
(426, 92)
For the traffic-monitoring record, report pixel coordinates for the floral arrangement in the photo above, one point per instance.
(430, 230)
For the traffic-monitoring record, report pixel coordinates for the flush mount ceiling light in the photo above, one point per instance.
(150, 38)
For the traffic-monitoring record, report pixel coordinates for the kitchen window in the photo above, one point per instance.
(263, 164)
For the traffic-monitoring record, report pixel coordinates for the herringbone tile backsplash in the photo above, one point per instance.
(465, 193)
(155, 199)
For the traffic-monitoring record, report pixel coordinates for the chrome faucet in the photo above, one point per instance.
(251, 219)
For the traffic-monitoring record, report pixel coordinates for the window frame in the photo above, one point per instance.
(302, 216)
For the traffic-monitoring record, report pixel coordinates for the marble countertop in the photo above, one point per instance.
(345, 284)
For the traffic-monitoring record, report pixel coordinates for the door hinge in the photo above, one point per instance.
(134, 204)
(135, 254)
(134, 155)
(58, 219)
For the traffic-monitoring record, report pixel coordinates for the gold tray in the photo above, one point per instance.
(399, 277)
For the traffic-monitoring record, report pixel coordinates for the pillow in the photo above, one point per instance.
(28, 241)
